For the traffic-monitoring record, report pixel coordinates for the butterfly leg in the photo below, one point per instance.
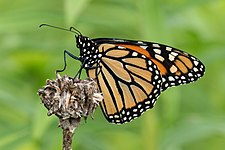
(85, 67)
(71, 55)
(95, 67)
(79, 71)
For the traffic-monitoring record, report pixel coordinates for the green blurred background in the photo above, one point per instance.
(189, 117)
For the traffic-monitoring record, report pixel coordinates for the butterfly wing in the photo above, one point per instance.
(132, 74)
(130, 82)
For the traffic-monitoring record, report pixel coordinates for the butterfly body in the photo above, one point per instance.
(132, 74)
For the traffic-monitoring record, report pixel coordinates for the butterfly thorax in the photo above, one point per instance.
(89, 54)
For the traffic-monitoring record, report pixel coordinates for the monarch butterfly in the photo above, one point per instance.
(132, 74)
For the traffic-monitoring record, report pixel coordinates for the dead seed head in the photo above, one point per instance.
(67, 97)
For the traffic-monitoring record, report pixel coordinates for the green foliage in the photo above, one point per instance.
(184, 118)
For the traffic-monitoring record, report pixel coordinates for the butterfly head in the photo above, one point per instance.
(83, 41)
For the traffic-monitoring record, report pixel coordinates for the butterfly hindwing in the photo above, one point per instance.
(129, 81)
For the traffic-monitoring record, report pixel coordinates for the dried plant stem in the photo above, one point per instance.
(67, 125)
(67, 139)
(70, 99)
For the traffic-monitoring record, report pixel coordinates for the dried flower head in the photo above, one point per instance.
(70, 98)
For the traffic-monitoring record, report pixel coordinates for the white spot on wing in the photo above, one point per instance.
(147, 102)
(193, 58)
(134, 54)
(144, 47)
(195, 69)
(117, 121)
(199, 75)
(196, 63)
(139, 105)
(155, 91)
(159, 57)
(121, 47)
(174, 53)
(168, 48)
(143, 56)
(116, 116)
(128, 113)
(166, 85)
(150, 69)
(155, 45)
(156, 77)
(135, 110)
(171, 57)
(123, 112)
(147, 107)
(190, 74)
(171, 78)
(158, 51)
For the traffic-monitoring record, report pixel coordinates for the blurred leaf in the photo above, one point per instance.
(185, 117)
(73, 9)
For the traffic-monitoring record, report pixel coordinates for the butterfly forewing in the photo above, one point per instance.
(176, 67)
(129, 81)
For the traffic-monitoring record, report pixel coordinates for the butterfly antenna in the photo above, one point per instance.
(72, 29)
